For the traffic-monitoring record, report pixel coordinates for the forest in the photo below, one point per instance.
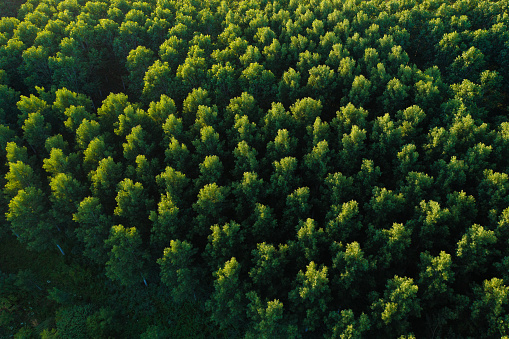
(254, 169)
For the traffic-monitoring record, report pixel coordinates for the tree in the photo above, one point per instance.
(126, 259)
(177, 155)
(306, 110)
(350, 272)
(289, 88)
(488, 311)
(283, 179)
(344, 221)
(223, 79)
(19, 177)
(297, 207)
(395, 95)
(318, 132)
(360, 92)
(225, 241)
(269, 263)
(35, 67)
(391, 245)
(87, 131)
(311, 295)
(132, 202)
(174, 183)
(474, 249)
(179, 271)
(168, 221)
(430, 225)
(105, 179)
(137, 143)
(102, 323)
(385, 206)
(284, 145)
(259, 82)
(244, 130)
(35, 131)
(15, 153)
(205, 116)
(198, 97)
(69, 69)
(94, 226)
(131, 117)
(131, 34)
(245, 159)
(227, 302)
(57, 162)
(71, 321)
(66, 193)
(317, 161)
(193, 70)
(344, 324)
(321, 83)
(209, 142)
(75, 116)
(338, 188)
(158, 80)
(30, 220)
(138, 61)
(160, 111)
(264, 222)
(311, 240)
(209, 207)
(96, 151)
(245, 104)
(436, 278)
(352, 148)
(110, 110)
(267, 319)
(8, 99)
(398, 305)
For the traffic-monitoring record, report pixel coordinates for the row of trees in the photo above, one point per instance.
(281, 168)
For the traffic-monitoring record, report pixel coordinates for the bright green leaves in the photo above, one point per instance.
(350, 269)
(436, 276)
(94, 226)
(488, 308)
(344, 221)
(138, 61)
(156, 81)
(398, 305)
(20, 176)
(474, 249)
(259, 82)
(268, 319)
(209, 206)
(223, 243)
(268, 263)
(283, 180)
(29, 219)
(132, 202)
(126, 259)
(179, 272)
(312, 294)
(227, 302)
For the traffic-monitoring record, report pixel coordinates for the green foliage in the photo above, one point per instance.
(126, 258)
(397, 306)
(312, 294)
(72, 321)
(178, 271)
(296, 168)
(227, 302)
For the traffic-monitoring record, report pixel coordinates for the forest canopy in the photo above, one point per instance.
(254, 169)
